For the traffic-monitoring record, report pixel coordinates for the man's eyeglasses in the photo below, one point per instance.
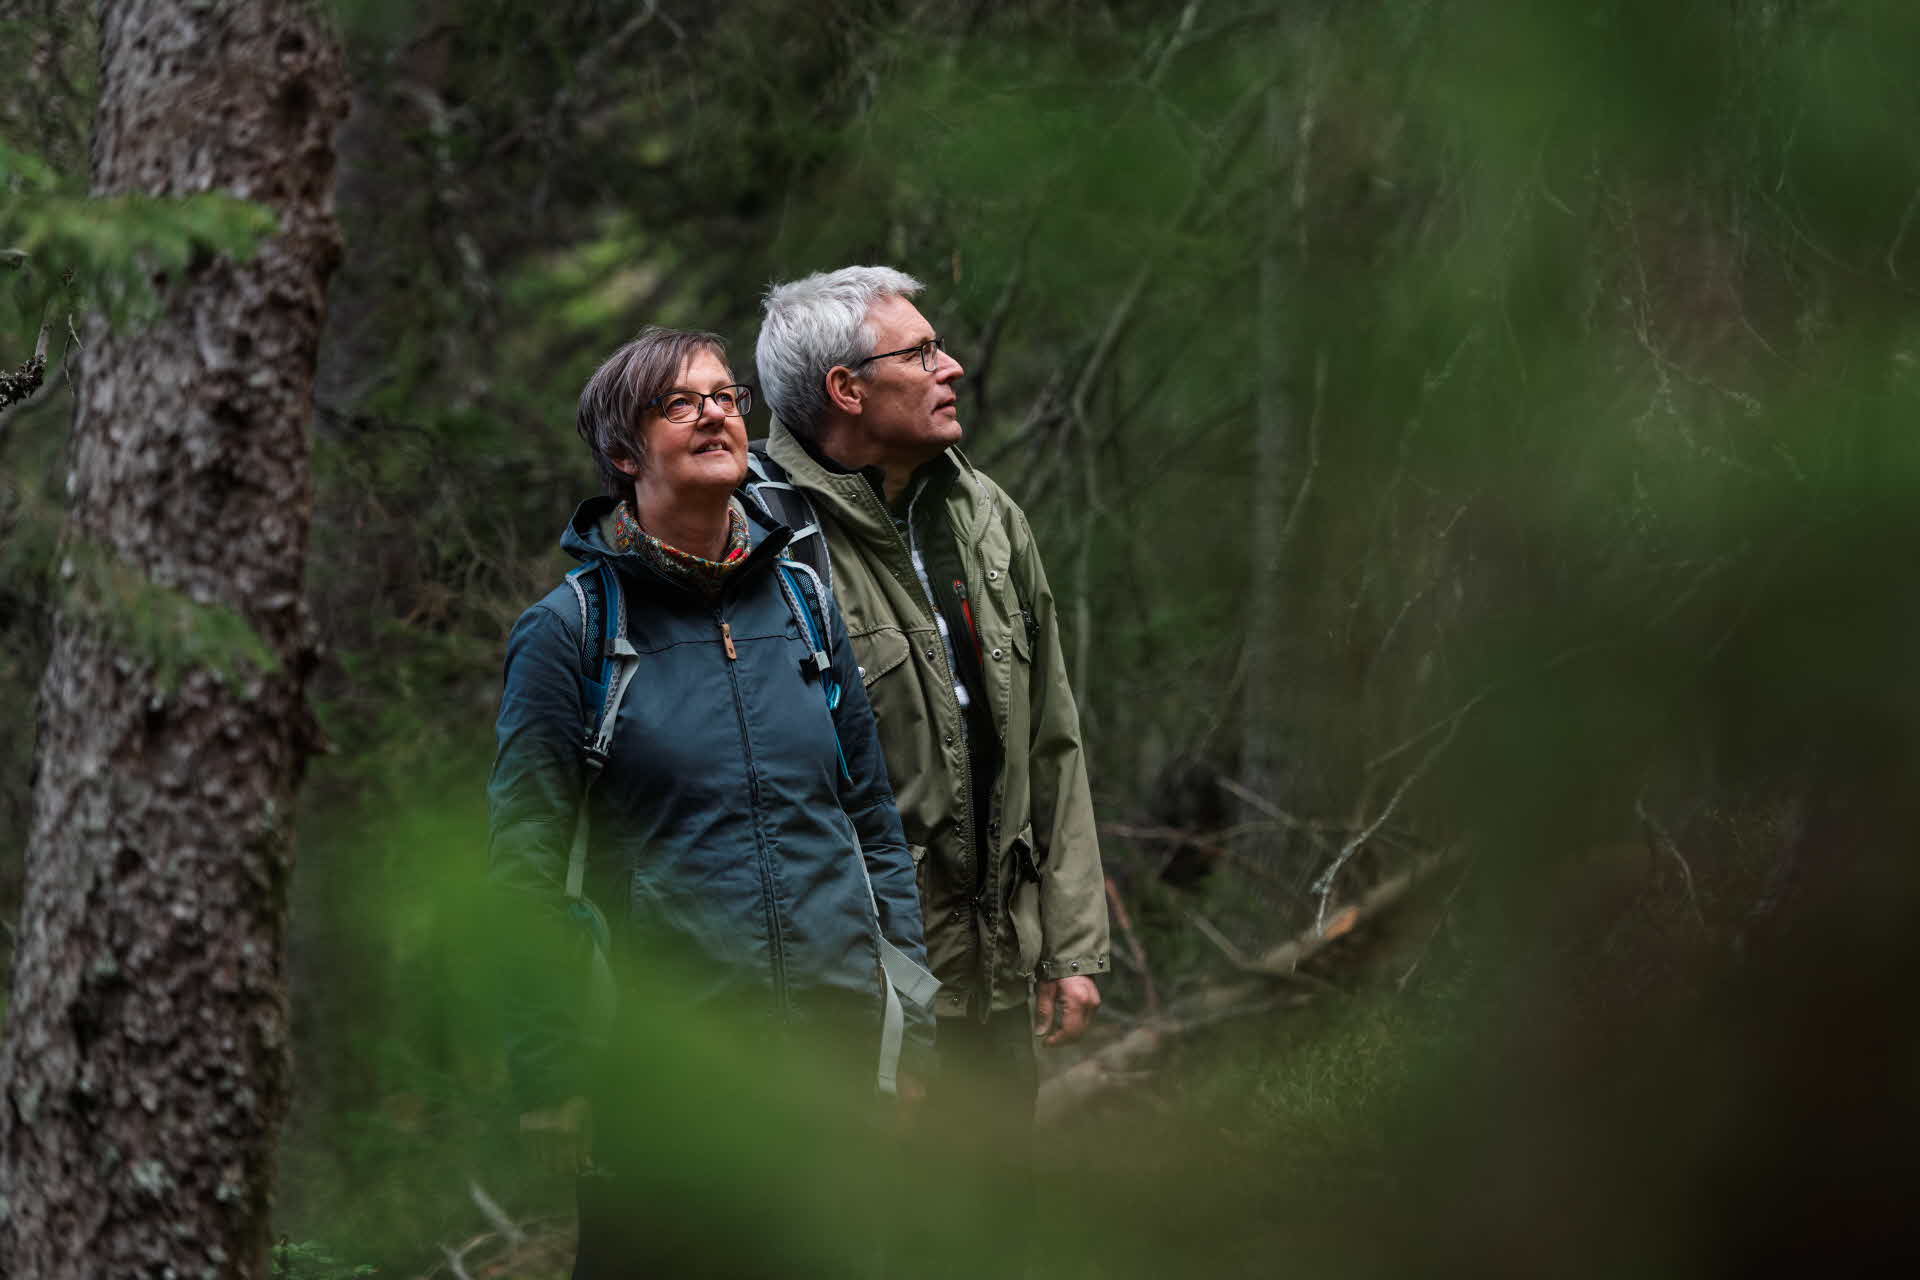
(684, 406)
(928, 351)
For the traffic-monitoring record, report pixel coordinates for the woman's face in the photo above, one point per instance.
(707, 452)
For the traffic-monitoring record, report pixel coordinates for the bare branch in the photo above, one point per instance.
(1134, 948)
(1282, 960)
(1176, 41)
(1323, 887)
(1400, 984)
(1900, 235)
(1121, 1063)
(1241, 791)
(1451, 721)
(506, 1226)
(1211, 932)
(1659, 840)
(1313, 458)
(455, 1263)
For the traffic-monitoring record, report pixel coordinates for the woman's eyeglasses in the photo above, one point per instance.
(684, 406)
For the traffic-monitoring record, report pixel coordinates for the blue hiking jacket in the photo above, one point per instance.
(723, 832)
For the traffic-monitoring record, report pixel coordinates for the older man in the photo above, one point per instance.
(952, 621)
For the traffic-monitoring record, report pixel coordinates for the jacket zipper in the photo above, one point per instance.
(983, 965)
(776, 951)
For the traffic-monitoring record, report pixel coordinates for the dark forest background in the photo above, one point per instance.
(1474, 446)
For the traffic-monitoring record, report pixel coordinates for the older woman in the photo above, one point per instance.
(740, 835)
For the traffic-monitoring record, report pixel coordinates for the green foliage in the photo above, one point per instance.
(307, 1260)
(160, 625)
(109, 253)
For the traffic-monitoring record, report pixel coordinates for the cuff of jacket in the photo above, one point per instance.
(1071, 967)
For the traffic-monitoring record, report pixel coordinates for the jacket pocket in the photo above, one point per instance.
(879, 651)
(1022, 634)
(1023, 904)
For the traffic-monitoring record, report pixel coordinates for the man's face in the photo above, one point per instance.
(908, 413)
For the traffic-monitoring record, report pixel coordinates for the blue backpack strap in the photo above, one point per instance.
(812, 617)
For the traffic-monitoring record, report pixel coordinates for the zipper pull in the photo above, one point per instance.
(726, 638)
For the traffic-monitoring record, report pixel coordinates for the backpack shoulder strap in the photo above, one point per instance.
(603, 684)
(768, 484)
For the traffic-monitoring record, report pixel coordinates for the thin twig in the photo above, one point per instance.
(1452, 719)
(1134, 948)
(1323, 887)
(454, 1262)
(1211, 932)
(1313, 458)
(1400, 984)
(1176, 40)
(1900, 235)
(495, 1214)
(1247, 794)
(1660, 841)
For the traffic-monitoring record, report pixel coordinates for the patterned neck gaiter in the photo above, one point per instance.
(698, 572)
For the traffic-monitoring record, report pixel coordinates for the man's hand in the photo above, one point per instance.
(560, 1139)
(1070, 1002)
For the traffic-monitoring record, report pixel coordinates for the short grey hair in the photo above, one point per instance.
(609, 415)
(810, 325)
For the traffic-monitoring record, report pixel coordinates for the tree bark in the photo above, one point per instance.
(145, 1064)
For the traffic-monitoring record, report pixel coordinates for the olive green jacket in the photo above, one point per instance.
(1041, 909)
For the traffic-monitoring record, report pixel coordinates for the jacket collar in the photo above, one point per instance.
(585, 540)
(855, 499)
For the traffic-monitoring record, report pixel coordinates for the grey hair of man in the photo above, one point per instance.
(611, 402)
(810, 325)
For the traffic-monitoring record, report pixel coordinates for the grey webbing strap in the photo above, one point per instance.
(628, 660)
(908, 976)
(905, 976)
(893, 1030)
(577, 859)
(601, 996)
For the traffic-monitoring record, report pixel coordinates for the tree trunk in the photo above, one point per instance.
(1268, 745)
(145, 1064)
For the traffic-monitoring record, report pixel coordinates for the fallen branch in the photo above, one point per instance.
(1123, 1063)
(1119, 1064)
